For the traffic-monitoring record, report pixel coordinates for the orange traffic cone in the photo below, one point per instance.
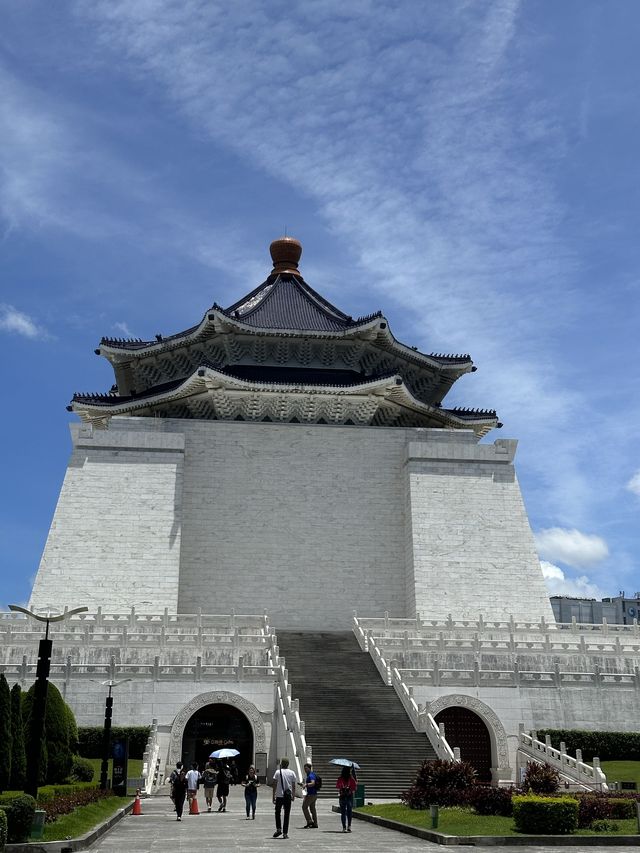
(193, 806)
(137, 805)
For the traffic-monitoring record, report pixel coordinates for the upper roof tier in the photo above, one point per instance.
(282, 324)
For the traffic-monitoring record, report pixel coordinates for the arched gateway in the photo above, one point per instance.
(214, 720)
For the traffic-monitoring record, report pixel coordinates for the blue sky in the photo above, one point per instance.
(470, 168)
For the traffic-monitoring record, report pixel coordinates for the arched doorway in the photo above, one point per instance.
(465, 729)
(216, 726)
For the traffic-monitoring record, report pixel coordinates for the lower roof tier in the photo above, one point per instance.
(215, 393)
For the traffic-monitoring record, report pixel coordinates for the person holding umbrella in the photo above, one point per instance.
(346, 785)
(224, 776)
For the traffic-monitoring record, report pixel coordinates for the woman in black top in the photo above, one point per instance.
(222, 793)
(251, 785)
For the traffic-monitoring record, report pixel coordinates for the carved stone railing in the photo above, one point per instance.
(288, 709)
(439, 676)
(421, 719)
(151, 759)
(67, 672)
(573, 770)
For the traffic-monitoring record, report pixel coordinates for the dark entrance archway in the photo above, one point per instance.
(214, 727)
(467, 730)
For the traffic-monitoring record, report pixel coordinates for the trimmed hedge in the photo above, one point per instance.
(81, 769)
(592, 808)
(608, 746)
(3, 829)
(545, 815)
(19, 811)
(90, 740)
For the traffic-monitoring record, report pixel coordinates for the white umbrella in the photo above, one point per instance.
(224, 753)
(345, 762)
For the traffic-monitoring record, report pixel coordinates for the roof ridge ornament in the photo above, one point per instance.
(285, 254)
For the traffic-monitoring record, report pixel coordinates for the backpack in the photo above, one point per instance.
(318, 784)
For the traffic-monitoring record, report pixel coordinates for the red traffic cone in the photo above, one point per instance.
(193, 806)
(137, 805)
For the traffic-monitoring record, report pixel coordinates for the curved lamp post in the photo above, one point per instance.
(39, 706)
(106, 733)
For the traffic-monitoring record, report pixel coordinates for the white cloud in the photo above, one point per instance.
(634, 483)
(12, 320)
(571, 547)
(122, 327)
(559, 584)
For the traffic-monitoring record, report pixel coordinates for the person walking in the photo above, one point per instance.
(250, 784)
(209, 778)
(284, 793)
(174, 774)
(310, 797)
(223, 779)
(179, 790)
(346, 786)
(193, 779)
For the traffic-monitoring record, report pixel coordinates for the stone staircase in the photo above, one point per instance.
(350, 713)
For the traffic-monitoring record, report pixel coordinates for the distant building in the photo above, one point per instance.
(620, 610)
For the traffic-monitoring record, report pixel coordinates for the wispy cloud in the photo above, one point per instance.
(122, 327)
(571, 547)
(559, 584)
(18, 323)
(634, 484)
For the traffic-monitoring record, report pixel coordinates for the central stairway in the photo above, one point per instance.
(350, 713)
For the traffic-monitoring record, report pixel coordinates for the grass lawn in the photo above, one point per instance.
(134, 768)
(83, 819)
(622, 771)
(458, 821)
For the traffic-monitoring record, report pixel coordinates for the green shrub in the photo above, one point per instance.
(3, 829)
(19, 811)
(541, 778)
(56, 752)
(81, 769)
(605, 826)
(90, 740)
(18, 755)
(489, 800)
(608, 746)
(5, 733)
(545, 815)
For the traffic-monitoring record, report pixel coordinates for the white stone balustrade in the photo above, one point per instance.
(288, 710)
(574, 770)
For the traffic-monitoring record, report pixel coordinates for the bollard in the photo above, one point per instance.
(434, 816)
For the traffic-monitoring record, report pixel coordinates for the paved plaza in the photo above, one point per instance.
(157, 829)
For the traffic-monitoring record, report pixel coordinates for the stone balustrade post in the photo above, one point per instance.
(605, 625)
(124, 637)
(386, 620)
(583, 645)
(512, 624)
(112, 668)
(441, 642)
(405, 641)
(163, 637)
(67, 671)
(23, 669)
(132, 618)
(99, 617)
(512, 643)
(563, 753)
(199, 618)
(198, 669)
(295, 706)
(368, 639)
(436, 673)
(636, 673)
(598, 675)
(516, 673)
(241, 668)
(456, 753)
(543, 625)
(574, 624)
(475, 644)
(476, 673)
(480, 623)
(557, 675)
(547, 740)
(449, 622)
(165, 618)
(156, 668)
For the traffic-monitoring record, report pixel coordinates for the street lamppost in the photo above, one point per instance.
(106, 733)
(39, 706)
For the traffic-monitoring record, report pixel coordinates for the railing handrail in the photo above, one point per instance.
(575, 769)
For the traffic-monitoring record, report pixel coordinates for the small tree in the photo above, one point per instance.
(541, 778)
(440, 782)
(5, 734)
(18, 756)
(56, 756)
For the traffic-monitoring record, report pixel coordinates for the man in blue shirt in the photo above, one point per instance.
(309, 802)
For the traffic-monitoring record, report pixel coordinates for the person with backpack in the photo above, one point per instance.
(209, 779)
(313, 783)
(346, 786)
(224, 780)
(179, 790)
(172, 778)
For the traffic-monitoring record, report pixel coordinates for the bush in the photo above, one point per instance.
(541, 778)
(608, 746)
(90, 740)
(545, 815)
(441, 783)
(18, 756)
(5, 733)
(3, 829)
(19, 811)
(65, 802)
(593, 808)
(55, 756)
(605, 826)
(487, 800)
(81, 770)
